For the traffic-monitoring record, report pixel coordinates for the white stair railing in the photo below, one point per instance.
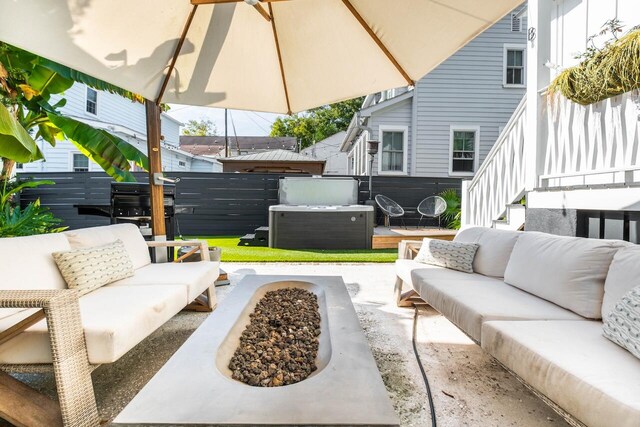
(500, 180)
(597, 144)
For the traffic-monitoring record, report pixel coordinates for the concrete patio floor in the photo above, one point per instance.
(469, 388)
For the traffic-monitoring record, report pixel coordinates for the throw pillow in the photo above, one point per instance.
(453, 255)
(622, 325)
(90, 268)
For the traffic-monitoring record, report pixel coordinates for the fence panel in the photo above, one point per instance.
(224, 203)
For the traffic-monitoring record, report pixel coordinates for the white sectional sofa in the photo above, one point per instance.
(535, 303)
(112, 319)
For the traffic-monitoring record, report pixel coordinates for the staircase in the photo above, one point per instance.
(489, 200)
(258, 238)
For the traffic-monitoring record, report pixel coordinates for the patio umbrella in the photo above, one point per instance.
(279, 56)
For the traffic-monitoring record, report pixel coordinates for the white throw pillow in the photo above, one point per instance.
(624, 275)
(494, 251)
(88, 269)
(622, 324)
(452, 255)
(568, 271)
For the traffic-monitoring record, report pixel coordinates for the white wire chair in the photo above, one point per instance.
(432, 207)
(390, 209)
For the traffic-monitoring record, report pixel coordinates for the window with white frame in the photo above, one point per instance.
(392, 151)
(514, 65)
(19, 166)
(182, 163)
(80, 162)
(92, 101)
(463, 151)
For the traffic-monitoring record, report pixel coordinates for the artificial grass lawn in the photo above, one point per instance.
(231, 252)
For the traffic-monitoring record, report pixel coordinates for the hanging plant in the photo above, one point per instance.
(604, 73)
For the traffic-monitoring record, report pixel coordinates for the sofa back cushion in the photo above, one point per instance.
(494, 251)
(97, 236)
(27, 263)
(568, 271)
(624, 275)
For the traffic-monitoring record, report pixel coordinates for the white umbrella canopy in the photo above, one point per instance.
(278, 56)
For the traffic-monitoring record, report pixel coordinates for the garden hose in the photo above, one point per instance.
(422, 371)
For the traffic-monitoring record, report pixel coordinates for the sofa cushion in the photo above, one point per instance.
(88, 269)
(453, 255)
(572, 364)
(494, 251)
(115, 319)
(569, 271)
(623, 275)
(128, 233)
(27, 264)
(622, 324)
(468, 300)
(194, 277)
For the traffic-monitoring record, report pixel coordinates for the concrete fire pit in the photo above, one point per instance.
(195, 386)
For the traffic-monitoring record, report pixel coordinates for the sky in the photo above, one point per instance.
(247, 123)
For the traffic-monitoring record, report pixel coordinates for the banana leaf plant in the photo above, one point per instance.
(28, 86)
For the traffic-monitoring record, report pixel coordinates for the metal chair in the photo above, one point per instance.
(432, 207)
(390, 209)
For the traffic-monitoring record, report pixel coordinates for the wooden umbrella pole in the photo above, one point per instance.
(155, 166)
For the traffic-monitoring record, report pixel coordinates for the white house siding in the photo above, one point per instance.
(574, 21)
(466, 90)
(125, 119)
(329, 150)
(395, 116)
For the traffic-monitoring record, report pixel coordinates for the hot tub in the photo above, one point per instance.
(321, 227)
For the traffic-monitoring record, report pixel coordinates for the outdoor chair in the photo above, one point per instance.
(390, 209)
(432, 207)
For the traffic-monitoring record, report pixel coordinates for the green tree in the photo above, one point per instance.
(202, 127)
(27, 112)
(318, 123)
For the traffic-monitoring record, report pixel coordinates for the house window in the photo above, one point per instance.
(80, 163)
(392, 152)
(20, 166)
(514, 66)
(92, 101)
(463, 151)
(516, 23)
(181, 163)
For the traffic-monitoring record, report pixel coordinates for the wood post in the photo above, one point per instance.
(155, 166)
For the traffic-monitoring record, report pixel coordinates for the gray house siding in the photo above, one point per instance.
(396, 115)
(465, 90)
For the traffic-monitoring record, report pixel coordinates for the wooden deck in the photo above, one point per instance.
(388, 238)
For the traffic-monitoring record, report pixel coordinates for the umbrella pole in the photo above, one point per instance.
(155, 166)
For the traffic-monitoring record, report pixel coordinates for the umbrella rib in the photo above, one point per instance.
(284, 79)
(176, 53)
(377, 40)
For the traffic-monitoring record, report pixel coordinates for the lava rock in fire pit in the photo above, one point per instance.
(280, 344)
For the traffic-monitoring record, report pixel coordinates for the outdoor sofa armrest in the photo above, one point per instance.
(408, 249)
(68, 347)
(200, 245)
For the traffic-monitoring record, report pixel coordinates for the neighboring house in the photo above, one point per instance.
(123, 118)
(213, 146)
(448, 122)
(273, 161)
(329, 150)
(577, 166)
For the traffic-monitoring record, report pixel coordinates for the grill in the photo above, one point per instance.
(131, 203)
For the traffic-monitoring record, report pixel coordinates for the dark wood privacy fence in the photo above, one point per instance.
(225, 203)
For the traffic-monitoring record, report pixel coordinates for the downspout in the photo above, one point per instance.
(414, 132)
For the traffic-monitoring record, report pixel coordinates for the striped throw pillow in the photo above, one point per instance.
(453, 255)
(88, 269)
(622, 324)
